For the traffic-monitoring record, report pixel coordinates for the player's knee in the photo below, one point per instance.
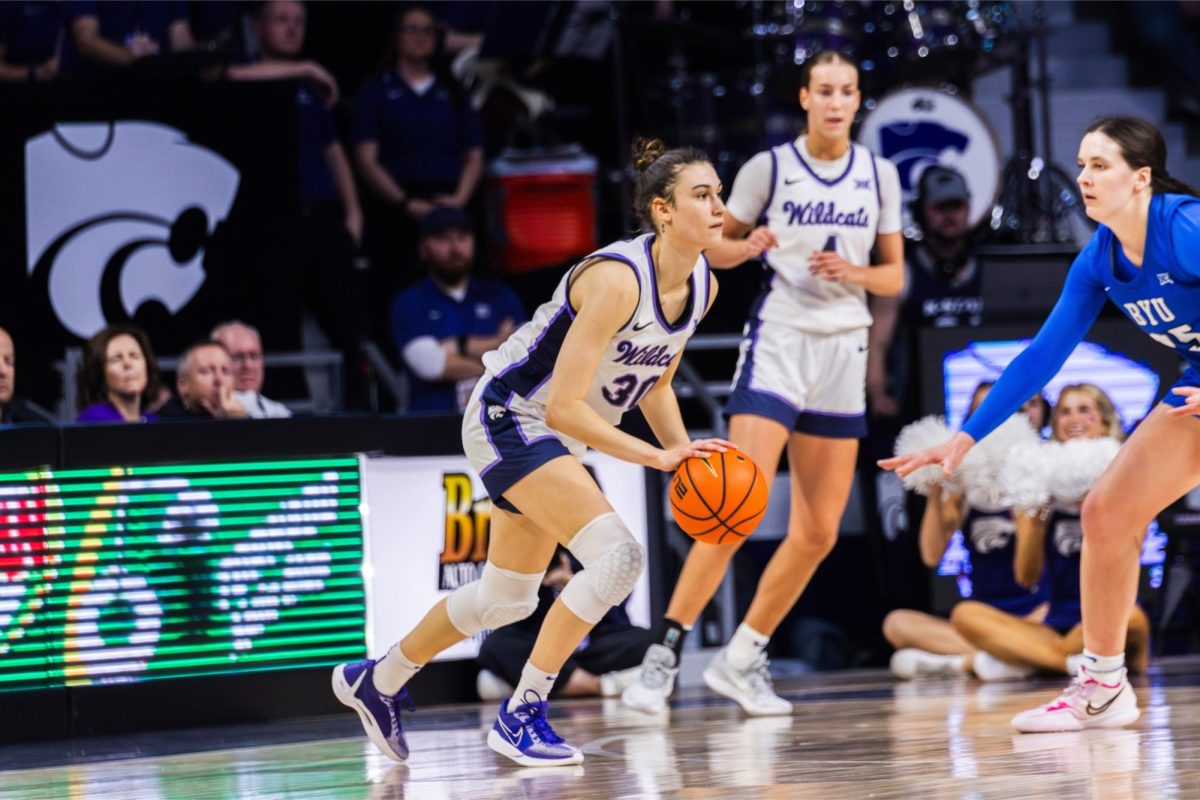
(964, 616)
(500, 597)
(612, 563)
(893, 628)
(815, 538)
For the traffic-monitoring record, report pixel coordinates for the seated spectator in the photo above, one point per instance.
(205, 385)
(29, 40)
(245, 349)
(444, 324)
(116, 33)
(417, 144)
(13, 409)
(1050, 548)
(119, 377)
(927, 644)
(609, 659)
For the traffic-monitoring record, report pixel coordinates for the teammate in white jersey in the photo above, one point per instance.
(609, 340)
(800, 383)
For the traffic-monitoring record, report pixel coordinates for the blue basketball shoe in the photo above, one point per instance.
(380, 713)
(526, 737)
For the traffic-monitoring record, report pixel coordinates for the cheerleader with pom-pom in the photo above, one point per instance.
(1087, 434)
(926, 644)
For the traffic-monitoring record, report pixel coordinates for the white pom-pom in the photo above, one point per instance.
(1024, 476)
(978, 477)
(921, 435)
(1076, 464)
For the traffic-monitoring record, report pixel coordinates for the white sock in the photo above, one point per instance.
(1102, 667)
(745, 646)
(534, 687)
(393, 671)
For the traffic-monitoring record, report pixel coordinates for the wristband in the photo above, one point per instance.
(462, 345)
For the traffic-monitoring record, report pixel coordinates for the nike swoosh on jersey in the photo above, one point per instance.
(1094, 710)
(790, 181)
(643, 327)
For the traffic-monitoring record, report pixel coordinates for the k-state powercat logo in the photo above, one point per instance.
(118, 214)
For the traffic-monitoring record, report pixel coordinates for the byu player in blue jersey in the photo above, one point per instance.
(800, 381)
(609, 341)
(1142, 257)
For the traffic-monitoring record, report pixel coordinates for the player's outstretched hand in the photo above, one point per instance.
(949, 454)
(1191, 405)
(669, 460)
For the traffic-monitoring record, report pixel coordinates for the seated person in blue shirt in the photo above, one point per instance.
(29, 37)
(14, 410)
(444, 324)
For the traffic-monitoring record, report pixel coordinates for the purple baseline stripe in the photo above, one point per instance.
(541, 383)
(762, 404)
(834, 427)
(483, 422)
(780, 398)
(566, 307)
(658, 313)
(850, 415)
(878, 190)
(754, 324)
(636, 274)
(774, 177)
(833, 182)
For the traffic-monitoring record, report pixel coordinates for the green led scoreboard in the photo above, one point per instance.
(123, 574)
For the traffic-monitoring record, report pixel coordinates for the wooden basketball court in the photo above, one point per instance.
(854, 735)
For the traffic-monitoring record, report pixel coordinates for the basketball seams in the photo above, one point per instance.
(687, 465)
(749, 491)
(720, 521)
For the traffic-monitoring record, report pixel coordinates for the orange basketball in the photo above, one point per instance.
(719, 499)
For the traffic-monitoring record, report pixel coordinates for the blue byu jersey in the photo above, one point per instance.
(1162, 297)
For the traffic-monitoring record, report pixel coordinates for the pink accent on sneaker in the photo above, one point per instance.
(1075, 710)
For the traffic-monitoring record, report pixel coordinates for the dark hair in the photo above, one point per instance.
(93, 388)
(438, 63)
(658, 170)
(824, 57)
(1141, 145)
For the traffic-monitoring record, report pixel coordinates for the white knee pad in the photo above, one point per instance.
(612, 563)
(500, 597)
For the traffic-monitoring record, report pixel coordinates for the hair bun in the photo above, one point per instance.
(646, 152)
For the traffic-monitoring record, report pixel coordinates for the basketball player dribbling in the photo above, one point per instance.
(1142, 259)
(609, 340)
(800, 381)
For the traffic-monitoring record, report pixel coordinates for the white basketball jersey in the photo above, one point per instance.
(808, 212)
(634, 360)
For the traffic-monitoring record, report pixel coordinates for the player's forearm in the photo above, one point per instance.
(577, 419)
(660, 407)
(728, 254)
(886, 280)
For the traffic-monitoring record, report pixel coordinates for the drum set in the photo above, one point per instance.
(917, 62)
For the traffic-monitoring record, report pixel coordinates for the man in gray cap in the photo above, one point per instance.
(444, 324)
(941, 289)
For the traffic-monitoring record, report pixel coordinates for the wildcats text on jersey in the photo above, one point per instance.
(645, 356)
(820, 213)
